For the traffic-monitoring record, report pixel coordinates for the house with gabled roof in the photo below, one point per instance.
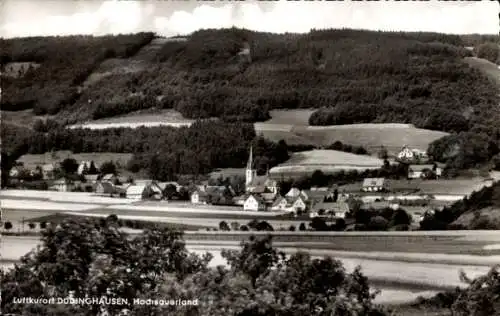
(333, 209)
(280, 204)
(144, 191)
(293, 193)
(254, 203)
(374, 185)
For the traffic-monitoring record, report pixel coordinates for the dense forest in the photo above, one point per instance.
(350, 76)
(164, 152)
(65, 64)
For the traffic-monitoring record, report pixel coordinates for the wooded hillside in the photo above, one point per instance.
(350, 76)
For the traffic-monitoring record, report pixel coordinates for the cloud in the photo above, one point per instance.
(41, 18)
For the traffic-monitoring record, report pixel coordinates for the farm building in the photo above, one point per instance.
(423, 171)
(336, 209)
(144, 191)
(407, 154)
(374, 185)
(105, 188)
(63, 185)
(254, 203)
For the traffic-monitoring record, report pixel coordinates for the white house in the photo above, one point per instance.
(297, 204)
(48, 171)
(199, 197)
(83, 167)
(254, 203)
(63, 185)
(374, 185)
(293, 193)
(144, 191)
(406, 154)
(334, 209)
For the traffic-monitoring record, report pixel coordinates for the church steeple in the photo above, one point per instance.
(250, 173)
(250, 159)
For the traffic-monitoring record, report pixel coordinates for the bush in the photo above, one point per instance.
(7, 226)
(43, 225)
(32, 225)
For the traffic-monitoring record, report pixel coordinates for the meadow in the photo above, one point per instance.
(141, 118)
(292, 126)
(490, 69)
(328, 161)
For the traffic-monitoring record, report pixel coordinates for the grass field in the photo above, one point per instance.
(370, 136)
(32, 161)
(328, 161)
(146, 118)
(487, 67)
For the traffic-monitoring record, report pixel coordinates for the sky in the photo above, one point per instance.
(21, 18)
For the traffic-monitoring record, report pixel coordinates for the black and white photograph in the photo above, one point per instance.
(249, 158)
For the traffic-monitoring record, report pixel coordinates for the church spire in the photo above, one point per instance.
(250, 160)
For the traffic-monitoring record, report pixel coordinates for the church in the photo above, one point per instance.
(258, 184)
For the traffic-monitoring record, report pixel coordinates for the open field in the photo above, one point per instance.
(327, 161)
(139, 62)
(370, 136)
(32, 161)
(36, 196)
(24, 118)
(294, 117)
(45, 205)
(137, 119)
(487, 67)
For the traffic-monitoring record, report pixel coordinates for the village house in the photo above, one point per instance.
(83, 167)
(109, 178)
(144, 191)
(254, 203)
(331, 209)
(407, 154)
(48, 171)
(105, 189)
(374, 185)
(204, 194)
(64, 185)
(280, 204)
(199, 196)
(423, 171)
(296, 204)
